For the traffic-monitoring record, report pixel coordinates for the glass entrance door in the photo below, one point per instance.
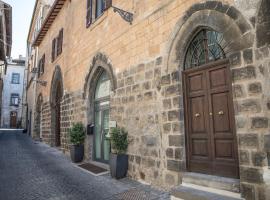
(102, 144)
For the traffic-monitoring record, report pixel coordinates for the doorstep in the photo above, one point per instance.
(206, 187)
(217, 182)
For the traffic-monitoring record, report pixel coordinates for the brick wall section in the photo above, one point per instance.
(72, 110)
(46, 123)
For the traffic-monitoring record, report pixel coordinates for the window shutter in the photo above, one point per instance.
(89, 13)
(60, 41)
(107, 4)
(53, 49)
(43, 64)
(39, 67)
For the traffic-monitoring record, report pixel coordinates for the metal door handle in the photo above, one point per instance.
(197, 115)
(221, 112)
(210, 114)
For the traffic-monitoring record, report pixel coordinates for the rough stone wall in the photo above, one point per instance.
(146, 103)
(72, 110)
(46, 123)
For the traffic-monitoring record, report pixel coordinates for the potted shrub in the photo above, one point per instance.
(77, 136)
(118, 156)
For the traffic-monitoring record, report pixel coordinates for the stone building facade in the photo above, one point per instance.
(41, 9)
(12, 94)
(188, 80)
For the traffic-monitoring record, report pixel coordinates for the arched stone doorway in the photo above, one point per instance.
(55, 101)
(99, 83)
(209, 114)
(38, 117)
(209, 128)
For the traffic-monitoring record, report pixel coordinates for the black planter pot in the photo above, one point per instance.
(118, 165)
(76, 153)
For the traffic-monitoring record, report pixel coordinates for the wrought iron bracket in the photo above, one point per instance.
(127, 16)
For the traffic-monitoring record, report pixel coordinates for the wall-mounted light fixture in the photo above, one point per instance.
(42, 83)
(127, 16)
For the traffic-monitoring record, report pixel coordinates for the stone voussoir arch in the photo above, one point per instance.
(237, 31)
(99, 63)
(56, 79)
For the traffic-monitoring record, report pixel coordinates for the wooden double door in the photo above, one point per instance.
(13, 119)
(211, 139)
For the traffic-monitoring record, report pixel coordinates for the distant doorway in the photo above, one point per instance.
(55, 100)
(13, 119)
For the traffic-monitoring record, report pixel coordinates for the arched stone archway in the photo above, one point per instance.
(101, 72)
(238, 35)
(56, 95)
(223, 18)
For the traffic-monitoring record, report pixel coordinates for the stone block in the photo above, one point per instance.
(176, 140)
(255, 88)
(147, 85)
(169, 153)
(167, 104)
(172, 90)
(259, 122)
(235, 59)
(138, 160)
(267, 142)
(251, 175)
(166, 80)
(248, 140)
(238, 91)
(247, 191)
(174, 165)
(249, 105)
(169, 179)
(248, 56)
(148, 95)
(140, 68)
(167, 127)
(149, 140)
(244, 157)
(259, 159)
(174, 115)
(149, 74)
(159, 60)
(175, 77)
(179, 153)
(243, 73)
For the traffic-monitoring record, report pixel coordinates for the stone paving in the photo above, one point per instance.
(31, 170)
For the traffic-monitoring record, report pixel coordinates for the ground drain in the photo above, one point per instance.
(134, 194)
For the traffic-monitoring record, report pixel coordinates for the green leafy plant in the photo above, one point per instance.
(77, 134)
(119, 140)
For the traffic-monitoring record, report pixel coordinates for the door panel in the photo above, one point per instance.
(220, 115)
(13, 119)
(198, 115)
(102, 144)
(211, 146)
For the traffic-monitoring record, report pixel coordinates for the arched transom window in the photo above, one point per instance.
(205, 47)
(103, 87)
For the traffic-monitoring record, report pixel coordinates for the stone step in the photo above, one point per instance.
(194, 192)
(217, 182)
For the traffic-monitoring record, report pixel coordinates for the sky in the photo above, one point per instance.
(21, 17)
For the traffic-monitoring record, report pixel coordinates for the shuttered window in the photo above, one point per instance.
(41, 66)
(95, 8)
(89, 13)
(53, 49)
(57, 45)
(60, 42)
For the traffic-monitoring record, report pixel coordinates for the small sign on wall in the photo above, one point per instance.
(112, 124)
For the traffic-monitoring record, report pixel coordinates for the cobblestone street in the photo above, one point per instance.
(32, 170)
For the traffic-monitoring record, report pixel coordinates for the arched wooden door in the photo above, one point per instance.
(58, 116)
(210, 126)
